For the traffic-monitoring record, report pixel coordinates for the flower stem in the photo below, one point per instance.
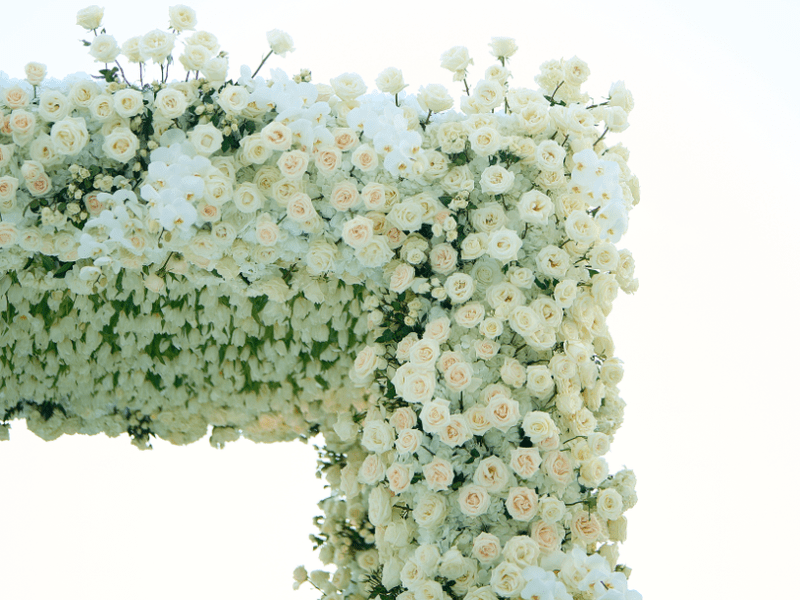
(605, 131)
(263, 60)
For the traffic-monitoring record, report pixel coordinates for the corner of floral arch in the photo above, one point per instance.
(426, 288)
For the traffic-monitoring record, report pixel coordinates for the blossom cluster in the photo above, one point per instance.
(426, 287)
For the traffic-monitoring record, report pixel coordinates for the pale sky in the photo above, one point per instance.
(708, 341)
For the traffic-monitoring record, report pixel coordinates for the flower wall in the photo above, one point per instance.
(426, 287)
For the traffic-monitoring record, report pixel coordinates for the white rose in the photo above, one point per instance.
(121, 145)
(372, 470)
(435, 415)
(456, 432)
(379, 509)
(443, 259)
(375, 253)
(90, 17)
(408, 440)
(486, 547)
(399, 478)
(558, 467)
(458, 376)
(407, 215)
(438, 474)
(459, 287)
(128, 102)
(280, 42)
(35, 73)
(215, 70)
(402, 278)
(552, 509)
(377, 436)
(344, 195)
(156, 45)
(328, 159)
(104, 48)
(69, 135)
(171, 103)
(553, 262)
(620, 96)
(503, 47)
(474, 246)
(321, 257)
(585, 527)
(458, 179)
(418, 385)
(492, 474)
(437, 330)
(473, 500)
(348, 86)
(470, 315)
(182, 18)
(206, 139)
(503, 245)
(233, 99)
(491, 327)
(364, 158)
(456, 60)
(247, 198)
(277, 136)
(487, 95)
(521, 504)
(550, 156)
(609, 504)
(293, 164)
(507, 579)
(390, 81)
(430, 511)
(525, 462)
(486, 141)
(357, 232)
(539, 426)
(434, 98)
(496, 180)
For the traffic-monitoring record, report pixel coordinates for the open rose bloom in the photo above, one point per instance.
(425, 287)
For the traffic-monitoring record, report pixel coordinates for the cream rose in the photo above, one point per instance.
(104, 48)
(477, 418)
(492, 474)
(357, 232)
(171, 103)
(408, 441)
(558, 467)
(434, 98)
(121, 145)
(507, 579)
(521, 503)
(438, 474)
(546, 536)
(525, 462)
(473, 500)
(8, 234)
(156, 45)
(504, 245)
(503, 413)
(321, 257)
(402, 278)
(399, 478)
(90, 17)
(459, 287)
(430, 511)
(496, 180)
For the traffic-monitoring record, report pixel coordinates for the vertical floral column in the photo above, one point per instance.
(478, 470)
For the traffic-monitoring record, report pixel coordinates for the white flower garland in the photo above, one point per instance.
(426, 288)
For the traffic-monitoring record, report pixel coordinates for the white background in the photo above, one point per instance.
(709, 341)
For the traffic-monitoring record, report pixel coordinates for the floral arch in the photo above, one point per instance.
(426, 288)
